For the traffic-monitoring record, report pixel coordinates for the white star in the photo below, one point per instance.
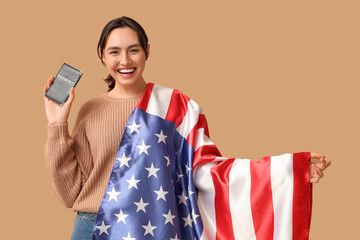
(103, 228)
(176, 238)
(134, 127)
(161, 194)
(190, 192)
(169, 218)
(168, 160)
(133, 182)
(179, 176)
(143, 148)
(152, 170)
(113, 194)
(124, 160)
(161, 137)
(194, 215)
(121, 216)
(187, 168)
(141, 205)
(183, 198)
(149, 229)
(188, 220)
(129, 237)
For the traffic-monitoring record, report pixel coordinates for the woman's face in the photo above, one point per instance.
(124, 57)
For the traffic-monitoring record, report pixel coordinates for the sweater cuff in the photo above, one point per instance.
(58, 131)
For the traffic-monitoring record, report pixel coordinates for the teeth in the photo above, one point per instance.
(127, 70)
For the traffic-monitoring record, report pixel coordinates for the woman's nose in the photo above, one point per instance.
(125, 59)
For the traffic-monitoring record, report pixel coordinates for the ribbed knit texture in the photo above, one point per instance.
(80, 164)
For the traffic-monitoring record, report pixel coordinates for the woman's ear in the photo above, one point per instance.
(148, 50)
(102, 58)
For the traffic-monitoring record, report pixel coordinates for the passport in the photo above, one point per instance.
(65, 79)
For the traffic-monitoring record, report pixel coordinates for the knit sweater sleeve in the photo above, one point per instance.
(64, 155)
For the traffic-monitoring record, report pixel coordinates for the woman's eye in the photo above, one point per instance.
(134, 50)
(113, 52)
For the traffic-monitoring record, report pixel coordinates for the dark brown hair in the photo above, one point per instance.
(120, 23)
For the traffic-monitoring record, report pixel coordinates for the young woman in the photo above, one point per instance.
(81, 165)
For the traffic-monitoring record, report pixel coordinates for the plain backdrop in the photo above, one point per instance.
(271, 76)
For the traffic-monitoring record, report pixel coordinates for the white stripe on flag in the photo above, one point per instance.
(190, 119)
(239, 200)
(206, 199)
(159, 101)
(282, 182)
(202, 139)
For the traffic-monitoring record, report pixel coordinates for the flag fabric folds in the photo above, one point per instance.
(169, 181)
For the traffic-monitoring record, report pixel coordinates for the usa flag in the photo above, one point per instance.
(169, 181)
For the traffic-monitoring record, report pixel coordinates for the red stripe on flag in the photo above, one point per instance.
(202, 123)
(205, 154)
(144, 101)
(261, 199)
(302, 200)
(177, 107)
(220, 177)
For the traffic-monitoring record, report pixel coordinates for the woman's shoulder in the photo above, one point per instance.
(92, 106)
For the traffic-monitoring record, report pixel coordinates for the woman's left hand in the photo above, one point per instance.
(316, 168)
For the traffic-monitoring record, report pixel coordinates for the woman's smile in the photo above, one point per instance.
(126, 72)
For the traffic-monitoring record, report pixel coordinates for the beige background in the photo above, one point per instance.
(271, 76)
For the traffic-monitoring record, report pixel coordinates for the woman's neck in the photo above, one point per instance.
(128, 91)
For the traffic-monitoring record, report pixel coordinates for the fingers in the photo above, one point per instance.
(71, 97)
(323, 163)
(315, 173)
(317, 168)
(316, 155)
(315, 179)
(48, 83)
(72, 94)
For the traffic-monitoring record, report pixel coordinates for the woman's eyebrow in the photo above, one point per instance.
(117, 48)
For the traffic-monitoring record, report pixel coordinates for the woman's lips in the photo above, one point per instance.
(126, 72)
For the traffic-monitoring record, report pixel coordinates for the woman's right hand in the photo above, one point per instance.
(55, 113)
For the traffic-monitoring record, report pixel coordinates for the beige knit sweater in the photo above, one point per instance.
(80, 164)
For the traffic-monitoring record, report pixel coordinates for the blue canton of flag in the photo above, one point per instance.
(150, 194)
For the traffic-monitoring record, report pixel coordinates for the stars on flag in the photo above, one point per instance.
(155, 181)
(161, 137)
(124, 160)
(113, 195)
(103, 228)
(161, 194)
(121, 216)
(188, 221)
(194, 216)
(179, 176)
(169, 218)
(133, 182)
(149, 229)
(188, 169)
(141, 205)
(143, 148)
(190, 192)
(129, 237)
(168, 160)
(183, 198)
(152, 170)
(176, 238)
(134, 127)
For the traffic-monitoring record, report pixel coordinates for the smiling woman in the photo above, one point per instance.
(124, 59)
(140, 162)
(113, 48)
